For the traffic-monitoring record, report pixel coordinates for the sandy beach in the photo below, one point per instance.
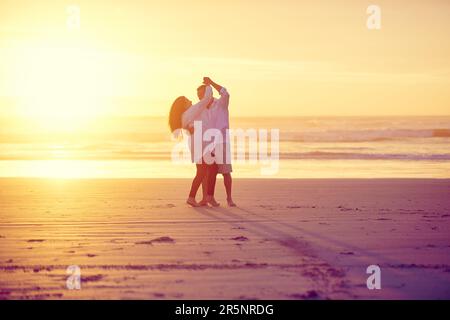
(288, 239)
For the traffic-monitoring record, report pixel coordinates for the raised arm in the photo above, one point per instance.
(194, 111)
(224, 99)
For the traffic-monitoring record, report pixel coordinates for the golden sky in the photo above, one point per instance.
(277, 58)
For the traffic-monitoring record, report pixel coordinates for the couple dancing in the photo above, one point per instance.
(208, 113)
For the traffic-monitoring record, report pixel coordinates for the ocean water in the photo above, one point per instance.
(309, 147)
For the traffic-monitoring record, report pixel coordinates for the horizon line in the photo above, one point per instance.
(253, 117)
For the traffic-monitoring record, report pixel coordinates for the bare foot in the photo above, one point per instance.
(192, 202)
(203, 203)
(213, 202)
(231, 203)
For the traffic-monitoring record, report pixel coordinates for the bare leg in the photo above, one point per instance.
(227, 181)
(204, 201)
(201, 173)
(211, 176)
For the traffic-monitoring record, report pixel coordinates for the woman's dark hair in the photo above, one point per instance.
(176, 111)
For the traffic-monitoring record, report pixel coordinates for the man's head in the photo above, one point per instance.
(201, 91)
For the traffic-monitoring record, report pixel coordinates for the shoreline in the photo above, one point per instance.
(219, 175)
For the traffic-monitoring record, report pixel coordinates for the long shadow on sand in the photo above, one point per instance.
(319, 236)
(285, 239)
(258, 227)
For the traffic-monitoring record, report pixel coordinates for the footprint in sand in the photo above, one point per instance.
(157, 240)
(240, 238)
(93, 278)
(91, 255)
(162, 206)
(300, 207)
(310, 295)
(159, 295)
(267, 207)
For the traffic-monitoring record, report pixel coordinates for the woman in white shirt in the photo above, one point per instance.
(182, 116)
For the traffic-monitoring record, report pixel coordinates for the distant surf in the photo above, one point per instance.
(141, 146)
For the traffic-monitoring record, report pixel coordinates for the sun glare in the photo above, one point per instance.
(61, 88)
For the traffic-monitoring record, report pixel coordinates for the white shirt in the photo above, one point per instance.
(216, 116)
(219, 111)
(198, 111)
(220, 120)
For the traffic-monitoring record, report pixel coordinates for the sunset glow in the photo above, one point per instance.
(67, 69)
(225, 155)
(313, 58)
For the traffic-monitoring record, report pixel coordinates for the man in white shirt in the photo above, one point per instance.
(219, 118)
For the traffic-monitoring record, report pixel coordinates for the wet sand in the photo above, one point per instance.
(288, 239)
